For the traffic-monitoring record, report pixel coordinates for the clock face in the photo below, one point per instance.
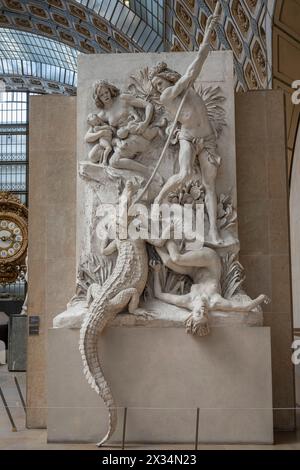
(11, 238)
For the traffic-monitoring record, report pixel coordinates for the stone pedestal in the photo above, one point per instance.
(162, 375)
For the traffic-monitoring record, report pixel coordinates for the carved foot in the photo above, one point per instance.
(92, 292)
(197, 326)
(259, 300)
(144, 314)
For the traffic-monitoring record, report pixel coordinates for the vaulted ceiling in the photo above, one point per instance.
(106, 26)
(40, 40)
(245, 28)
(88, 25)
(36, 36)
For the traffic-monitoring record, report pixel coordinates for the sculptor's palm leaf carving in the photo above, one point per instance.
(233, 276)
(171, 282)
(141, 84)
(142, 87)
(94, 270)
(213, 101)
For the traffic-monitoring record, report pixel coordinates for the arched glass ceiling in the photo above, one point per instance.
(41, 39)
(151, 11)
(90, 26)
(140, 20)
(28, 54)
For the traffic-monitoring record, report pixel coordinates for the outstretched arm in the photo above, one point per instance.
(178, 300)
(91, 137)
(189, 77)
(195, 68)
(139, 103)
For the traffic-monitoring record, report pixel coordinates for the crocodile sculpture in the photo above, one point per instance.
(122, 289)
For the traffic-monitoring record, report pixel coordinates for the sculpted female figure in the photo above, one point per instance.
(118, 110)
(196, 135)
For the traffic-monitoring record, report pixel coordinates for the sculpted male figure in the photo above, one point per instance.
(196, 135)
(204, 268)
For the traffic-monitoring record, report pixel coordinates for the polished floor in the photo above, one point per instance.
(36, 439)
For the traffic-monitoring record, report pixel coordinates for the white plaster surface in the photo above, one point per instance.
(162, 376)
(162, 314)
(217, 71)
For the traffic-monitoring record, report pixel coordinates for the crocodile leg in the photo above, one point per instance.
(126, 297)
(133, 308)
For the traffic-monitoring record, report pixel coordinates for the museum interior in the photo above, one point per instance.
(183, 103)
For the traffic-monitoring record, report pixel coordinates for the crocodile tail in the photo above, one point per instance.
(92, 368)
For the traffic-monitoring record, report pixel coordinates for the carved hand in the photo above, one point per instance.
(211, 23)
(140, 128)
(155, 265)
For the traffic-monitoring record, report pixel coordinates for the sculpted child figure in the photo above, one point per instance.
(196, 135)
(132, 127)
(102, 134)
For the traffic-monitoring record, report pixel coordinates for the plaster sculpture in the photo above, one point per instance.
(122, 289)
(196, 136)
(118, 113)
(102, 134)
(163, 121)
(204, 267)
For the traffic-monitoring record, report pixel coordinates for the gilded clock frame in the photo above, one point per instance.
(12, 209)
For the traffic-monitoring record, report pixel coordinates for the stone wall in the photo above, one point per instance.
(264, 230)
(52, 207)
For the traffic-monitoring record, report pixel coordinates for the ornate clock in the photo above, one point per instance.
(13, 237)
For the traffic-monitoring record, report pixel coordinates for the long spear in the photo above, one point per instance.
(217, 12)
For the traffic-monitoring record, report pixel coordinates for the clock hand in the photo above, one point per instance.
(6, 239)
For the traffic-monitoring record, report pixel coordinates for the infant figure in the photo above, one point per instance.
(102, 134)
